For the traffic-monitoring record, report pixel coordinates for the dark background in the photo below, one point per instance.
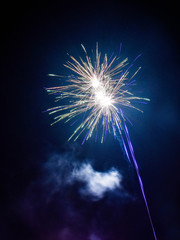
(35, 40)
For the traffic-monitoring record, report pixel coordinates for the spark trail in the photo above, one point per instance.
(96, 95)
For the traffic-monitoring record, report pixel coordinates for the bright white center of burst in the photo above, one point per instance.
(99, 93)
(95, 82)
(102, 99)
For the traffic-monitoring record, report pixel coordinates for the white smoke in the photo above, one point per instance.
(64, 170)
(96, 183)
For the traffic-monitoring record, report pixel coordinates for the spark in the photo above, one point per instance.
(97, 93)
(95, 82)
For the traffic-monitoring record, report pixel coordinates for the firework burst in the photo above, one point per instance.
(96, 95)
(97, 91)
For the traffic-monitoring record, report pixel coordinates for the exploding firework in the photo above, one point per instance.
(96, 95)
(97, 92)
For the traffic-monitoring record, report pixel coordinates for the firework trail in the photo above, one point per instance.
(97, 93)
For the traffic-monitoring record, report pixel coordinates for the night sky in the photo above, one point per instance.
(44, 195)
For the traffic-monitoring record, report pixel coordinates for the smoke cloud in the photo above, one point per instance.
(97, 183)
(65, 170)
(71, 199)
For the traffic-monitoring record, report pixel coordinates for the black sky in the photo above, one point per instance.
(35, 41)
